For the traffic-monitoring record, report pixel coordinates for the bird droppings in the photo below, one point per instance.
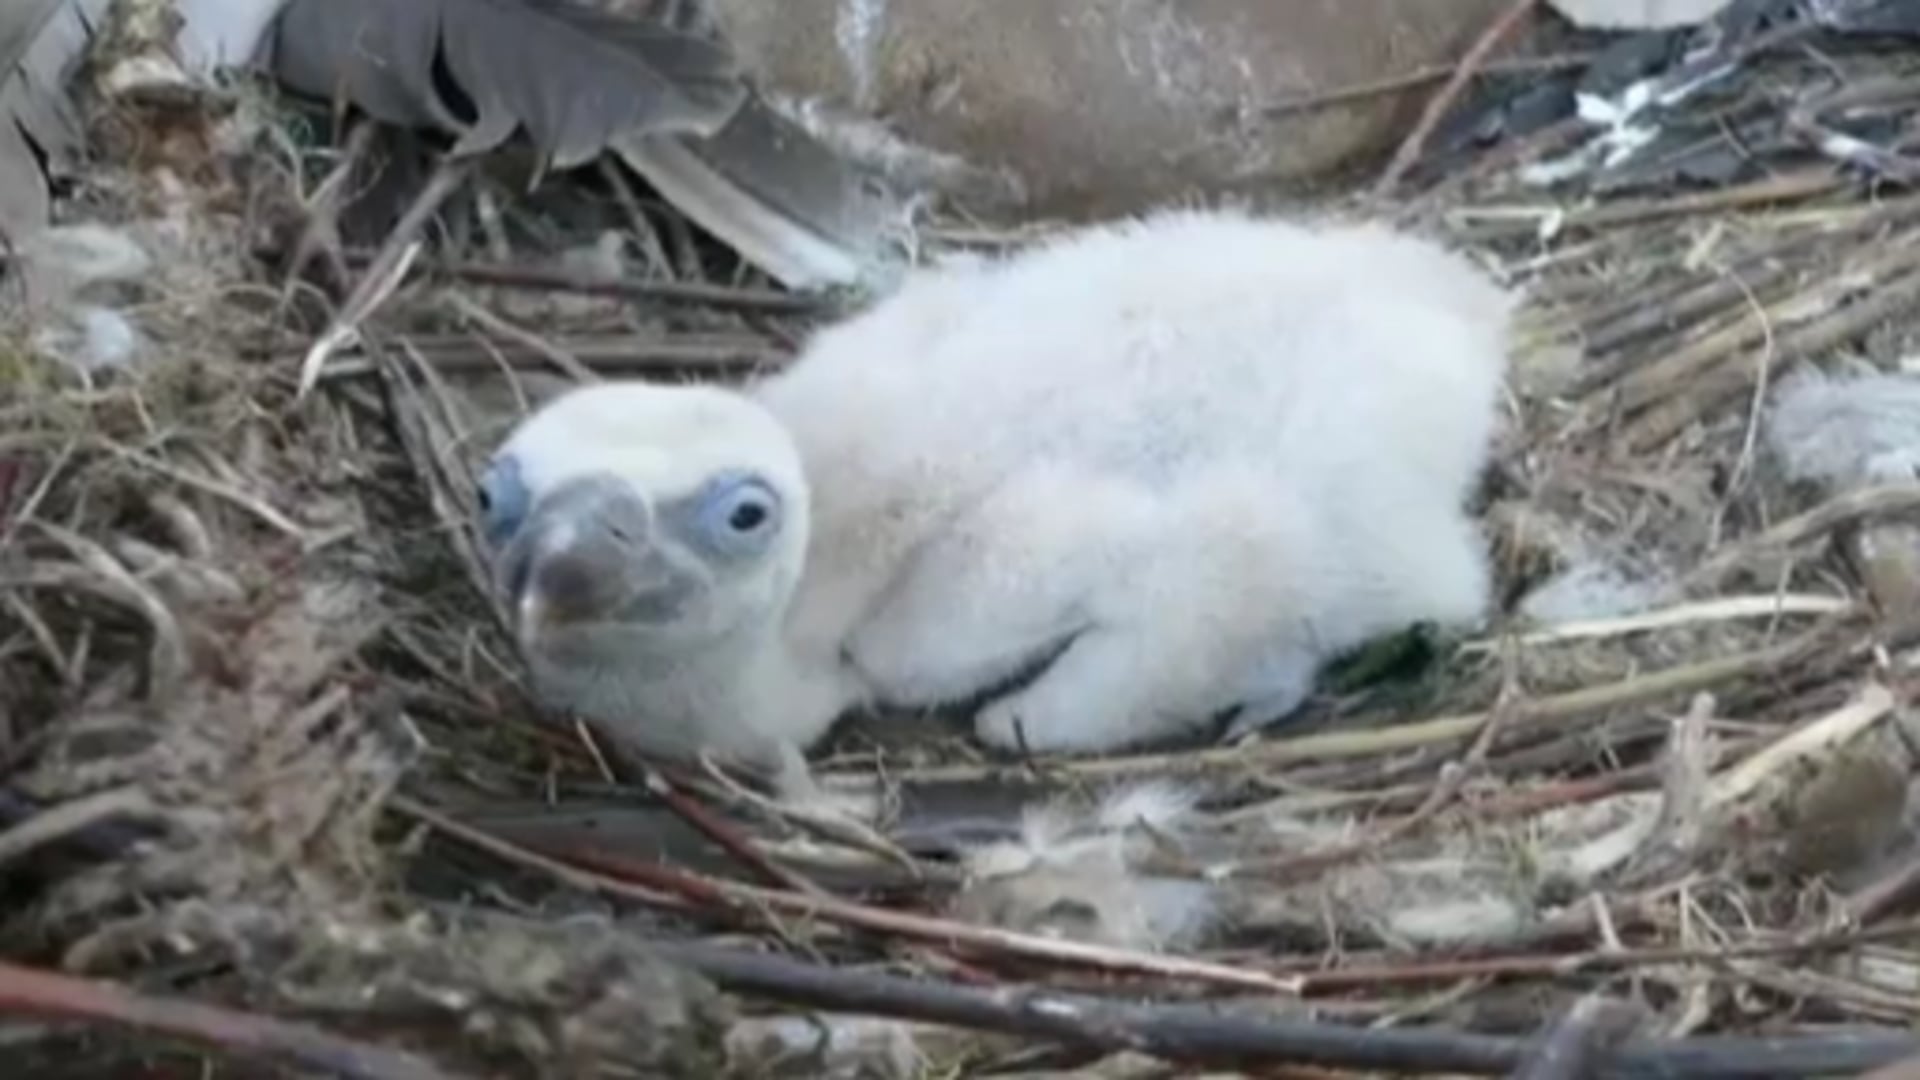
(268, 747)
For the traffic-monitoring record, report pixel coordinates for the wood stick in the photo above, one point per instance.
(1409, 152)
(63, 997)
(1732, 375)
(1874, 502)
(1218, 1035)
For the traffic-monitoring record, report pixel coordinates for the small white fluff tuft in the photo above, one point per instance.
(1846, 431)
(1078, 871)
(1592, 589)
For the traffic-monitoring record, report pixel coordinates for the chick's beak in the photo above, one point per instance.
(583, 553)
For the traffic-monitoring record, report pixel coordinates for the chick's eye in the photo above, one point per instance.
(502, 498)
(747, 516)
(739, 515)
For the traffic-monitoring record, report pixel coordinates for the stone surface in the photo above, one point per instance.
(1102, 106)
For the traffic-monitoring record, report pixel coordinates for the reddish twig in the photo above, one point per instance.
(64, 997)
(1443, 100)
(723, 833)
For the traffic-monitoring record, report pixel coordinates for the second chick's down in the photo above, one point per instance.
(1175, 463)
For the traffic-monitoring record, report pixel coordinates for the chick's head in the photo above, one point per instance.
(665, 518)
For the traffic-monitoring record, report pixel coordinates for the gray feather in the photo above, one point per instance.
(775, 194)
(570, 78)
(42, 43)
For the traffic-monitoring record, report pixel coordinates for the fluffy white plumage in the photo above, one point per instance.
(1188, 458)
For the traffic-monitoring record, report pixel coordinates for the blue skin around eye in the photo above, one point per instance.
(725, 495)
(506, 499)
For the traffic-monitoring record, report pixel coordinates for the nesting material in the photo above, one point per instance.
(266, 746)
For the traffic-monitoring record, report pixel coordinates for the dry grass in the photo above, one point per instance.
(236, 622)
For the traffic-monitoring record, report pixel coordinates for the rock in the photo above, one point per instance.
(1846, 811)
(1108, 106)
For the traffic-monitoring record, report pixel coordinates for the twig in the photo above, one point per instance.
(101, 573)
(1409, 152)
(728, 837)
(812, 811)
(1679, 829)
(320, 237)
(1883, 895)
(1340, 95)
(1842, 725)
(1867, 503)
(689, 292)
(74, 817)
(1731, 376)
(1723, 609)
(1319, 982)
(568, 364)
(1576, 1046)
(387, 270)
(1499, 222)
(1658, 381)
(1453, 776)
(682, 889)
(220, 489)
(1214, 1035)
(607, 355)
(43, 993)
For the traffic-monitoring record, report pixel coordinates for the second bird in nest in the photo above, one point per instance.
(1174, 464)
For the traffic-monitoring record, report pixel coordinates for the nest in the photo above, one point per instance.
(267, 748)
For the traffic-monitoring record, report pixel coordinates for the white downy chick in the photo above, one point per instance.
(1080, 873)
(1175, 463)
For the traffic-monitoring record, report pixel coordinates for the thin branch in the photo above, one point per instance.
(83, 816)
(1868, 503)
(1404, 158)
(1453, 776)
(387, 270)
(1214, 1034)
(688, 292)
(730, 839)
(63, 997)
(568, 363)
(1341, 95)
